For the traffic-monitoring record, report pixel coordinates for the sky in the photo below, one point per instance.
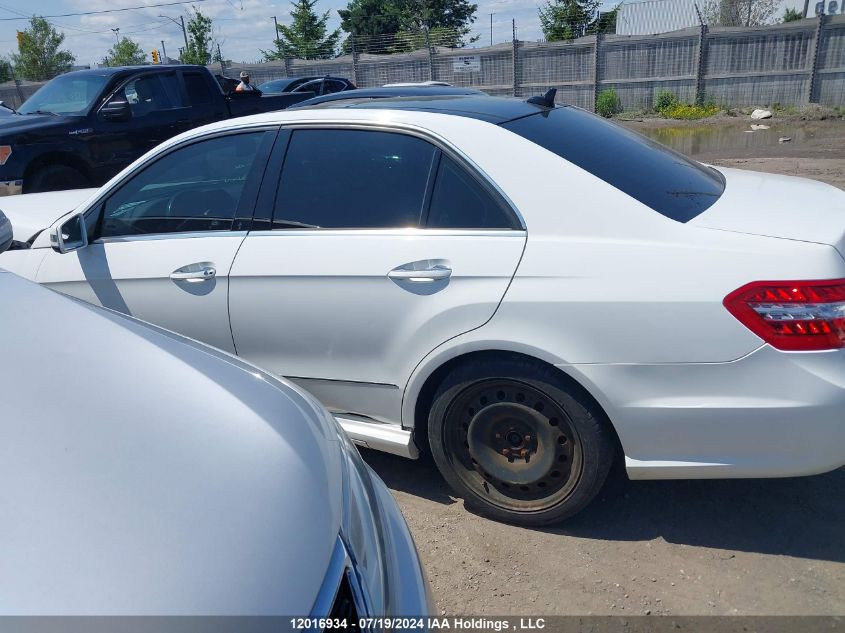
(242, 27)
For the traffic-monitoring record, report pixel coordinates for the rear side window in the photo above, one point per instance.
(459, 201)
(341, 179)
(197, 87)
(668, 182)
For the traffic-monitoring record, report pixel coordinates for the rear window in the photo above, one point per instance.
(661, 178)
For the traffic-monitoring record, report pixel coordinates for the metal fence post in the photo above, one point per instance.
(430, 56)
(813, 84)
(596, 70)
(516, 70)
(355, 57)
(288, 67)
(701, 65)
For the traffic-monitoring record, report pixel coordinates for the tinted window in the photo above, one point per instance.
(660, 178)
(195, 188)
(352, 179)
(459, 201)
(197, 88)
(152, 93)
(333, 85)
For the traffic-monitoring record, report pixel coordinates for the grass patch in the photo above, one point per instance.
(688, 112)
(608, 103)
(668, 105)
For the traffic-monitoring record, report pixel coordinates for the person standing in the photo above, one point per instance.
(244, 85)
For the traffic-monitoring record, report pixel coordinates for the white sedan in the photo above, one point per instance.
(528, 291)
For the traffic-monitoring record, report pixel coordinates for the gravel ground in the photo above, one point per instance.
(747, 547)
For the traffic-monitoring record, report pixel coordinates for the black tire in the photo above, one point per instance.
(55, 178)
(488, 420)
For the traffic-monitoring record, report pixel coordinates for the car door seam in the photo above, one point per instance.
(434, 349)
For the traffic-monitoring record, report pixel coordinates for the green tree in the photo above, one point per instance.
(567, 19)
(387, 26)
(605, 21)
(5, 71)
(307, 37)
(791, 15)
(199, 39)
(739, 12)
(39, 57)
(125, 53)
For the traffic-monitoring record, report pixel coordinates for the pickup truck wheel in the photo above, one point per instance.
(55, 178)
(517, 443)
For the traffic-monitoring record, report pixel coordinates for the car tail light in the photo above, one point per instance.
(793, 315)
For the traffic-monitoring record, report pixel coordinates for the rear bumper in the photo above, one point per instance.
(11, 187)
(769, 414)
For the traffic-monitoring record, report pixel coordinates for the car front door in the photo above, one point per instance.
(163, 240)
(379, 246)
(156, 113)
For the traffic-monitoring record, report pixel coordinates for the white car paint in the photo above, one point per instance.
(35, 211)
(607, 290)
(376, 342)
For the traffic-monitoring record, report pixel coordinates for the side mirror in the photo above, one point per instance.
(70, 236)
(5, 232)
(117, 110)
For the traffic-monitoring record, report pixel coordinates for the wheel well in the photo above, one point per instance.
(59, 158)
(429, 388)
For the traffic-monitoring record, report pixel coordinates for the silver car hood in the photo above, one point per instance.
(143, 473)
(31, 213)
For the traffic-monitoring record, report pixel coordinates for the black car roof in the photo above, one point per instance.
(492, 109)
(109, 71)
(391, 91)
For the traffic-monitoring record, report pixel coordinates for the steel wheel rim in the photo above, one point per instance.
(513, 445)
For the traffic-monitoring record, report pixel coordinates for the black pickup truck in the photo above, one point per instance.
(83, 127)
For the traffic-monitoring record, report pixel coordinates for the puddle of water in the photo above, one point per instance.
(722, 139)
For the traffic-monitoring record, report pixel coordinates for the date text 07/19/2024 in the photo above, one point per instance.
(421, 623)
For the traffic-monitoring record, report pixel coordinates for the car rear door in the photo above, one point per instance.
(163, 240)
(206, 100)
(370, 248)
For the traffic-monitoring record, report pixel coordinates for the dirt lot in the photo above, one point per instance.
(749, 547)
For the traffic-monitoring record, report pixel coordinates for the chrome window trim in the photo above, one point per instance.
(410, 129)
(394, 232)
(168, 236)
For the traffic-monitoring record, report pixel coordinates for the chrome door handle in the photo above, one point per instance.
(428, 275)
(203, 274)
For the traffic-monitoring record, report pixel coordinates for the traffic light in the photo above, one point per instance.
(156, 58)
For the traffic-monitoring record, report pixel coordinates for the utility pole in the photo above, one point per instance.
(180, 23)
(163, 51)
(184, 32)
(491, 29)
(276, 31)
(116, 32)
